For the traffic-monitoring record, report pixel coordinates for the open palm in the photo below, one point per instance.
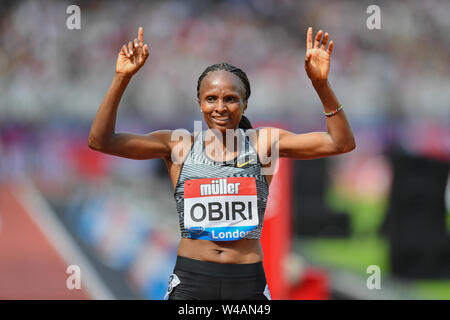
(317, 58)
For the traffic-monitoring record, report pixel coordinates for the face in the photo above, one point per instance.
(222, 100)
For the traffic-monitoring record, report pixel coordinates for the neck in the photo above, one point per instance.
(227, 141)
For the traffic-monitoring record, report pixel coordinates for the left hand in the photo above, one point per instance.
(317, 58)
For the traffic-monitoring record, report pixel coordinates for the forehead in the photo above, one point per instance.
(221, 80)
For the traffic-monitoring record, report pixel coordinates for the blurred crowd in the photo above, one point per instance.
(399, 72)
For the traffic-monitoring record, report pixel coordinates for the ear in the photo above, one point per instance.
(245, 106)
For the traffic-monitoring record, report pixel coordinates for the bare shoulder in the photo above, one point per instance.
(263, 139)
(180, 142)
(266, 137)
(174, 137)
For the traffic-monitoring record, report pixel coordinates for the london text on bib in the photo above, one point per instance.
(220, 209)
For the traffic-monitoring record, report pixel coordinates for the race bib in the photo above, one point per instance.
(220, 209)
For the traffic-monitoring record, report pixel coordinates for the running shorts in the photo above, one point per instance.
(202, 280)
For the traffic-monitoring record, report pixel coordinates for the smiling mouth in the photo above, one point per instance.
(220, 120)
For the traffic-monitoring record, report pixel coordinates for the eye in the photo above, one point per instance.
(210, 99)
(230, 99)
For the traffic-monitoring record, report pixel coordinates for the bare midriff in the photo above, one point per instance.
(240, 251)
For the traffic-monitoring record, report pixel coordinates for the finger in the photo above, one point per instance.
(130, 48)
(145, 50)
(141, 35)
(124, 50)
(330, 48)
(309, 38)
(307, 59)
(324, 41)
(136, 45)
(317, 40)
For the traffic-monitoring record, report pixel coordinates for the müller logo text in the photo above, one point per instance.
(219, 187)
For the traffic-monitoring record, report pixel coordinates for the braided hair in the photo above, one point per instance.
(244, 123)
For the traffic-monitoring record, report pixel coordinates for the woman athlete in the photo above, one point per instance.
(221, 203)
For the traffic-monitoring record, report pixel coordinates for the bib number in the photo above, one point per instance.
(220, 209)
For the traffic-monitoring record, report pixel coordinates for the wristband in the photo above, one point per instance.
(332, 113)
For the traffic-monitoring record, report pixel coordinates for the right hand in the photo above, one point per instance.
(317, 59)
(132, 56)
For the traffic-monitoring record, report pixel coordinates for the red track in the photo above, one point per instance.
(30, 267)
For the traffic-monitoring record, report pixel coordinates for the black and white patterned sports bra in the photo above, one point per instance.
(221, 201)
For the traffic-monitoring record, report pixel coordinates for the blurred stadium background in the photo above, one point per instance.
(386, 203)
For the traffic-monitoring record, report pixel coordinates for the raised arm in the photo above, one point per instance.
(102, 136)
(339, 137)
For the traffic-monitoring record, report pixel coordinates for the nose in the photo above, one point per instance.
(221, 106)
